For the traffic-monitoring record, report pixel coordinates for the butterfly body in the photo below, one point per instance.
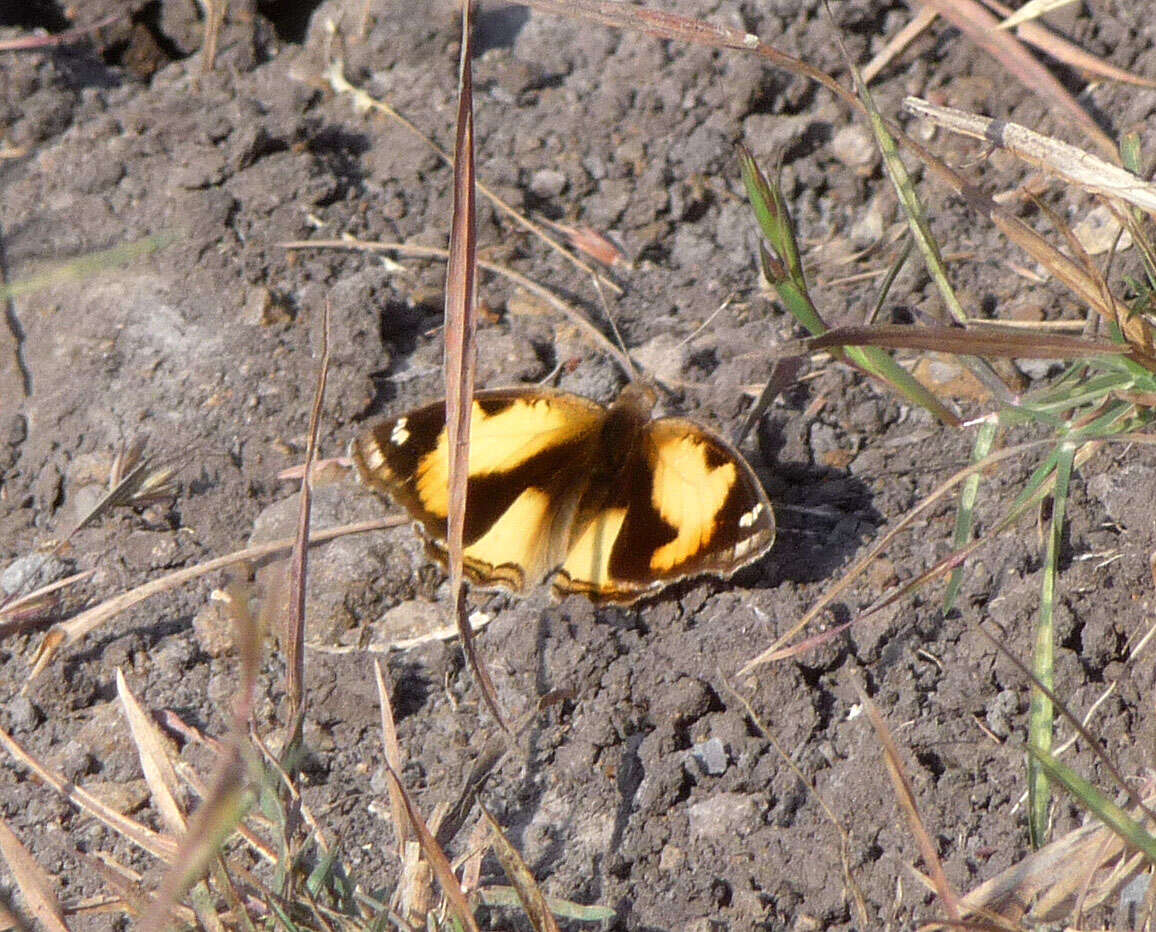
(609, 502)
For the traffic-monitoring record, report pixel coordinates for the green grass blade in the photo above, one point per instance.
(876, 362)
(921, 232)
(1041, 718)
(793, 296)
(1131, 153)
(773, 216)
(85, 266)
(965, 514)
(1033, 490)
(1115, 818)
(784, 270)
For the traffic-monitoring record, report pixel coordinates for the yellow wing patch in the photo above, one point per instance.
(520, 535)
(499, 443)
(688, 494)
(589, 558)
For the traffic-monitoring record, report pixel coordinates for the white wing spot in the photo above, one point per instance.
(399, 436)
(751, 516)
(743, 547)
(374, 459)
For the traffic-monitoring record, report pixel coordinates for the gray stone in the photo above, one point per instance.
(722, 815)
(711, 756)
(547, 183)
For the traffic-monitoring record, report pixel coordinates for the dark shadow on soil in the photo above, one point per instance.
(497, 28)
(290, 20)
(34, 14)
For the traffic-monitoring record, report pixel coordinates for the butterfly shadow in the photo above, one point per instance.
(825, 517)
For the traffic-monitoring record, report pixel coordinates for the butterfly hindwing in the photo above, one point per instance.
(687, 503)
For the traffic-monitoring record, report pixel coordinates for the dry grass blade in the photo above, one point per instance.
(978, 342)
(906, 799)
(35, 601)
(784, 373)
(919, 24)
(414, 897)
(157, 845)
(393, 757)
(461, 356)
(124, 883)
(1053, 878)
(471, 866)
(248, 635)
(1084, 283)
(774, 651)
(436, 857)
(460, 360)
(214, 19)
(657, 23)
(232, 793)
(592, 243)
(804, 646)
(983, 30)
(1085, 286)
(1060, 48)
(73, 630)
(569, 311)
(11, 920)
(215, 819)
(521, 877)
(484, 765)
(153, 753)
(1033, 9)
(1094, 745)
(131, 480)
(443, 633)
(295, 622)
(662, 25)
(34, 884)
(1065, 161)
(941, 567)
(26, 43)
(919, 226)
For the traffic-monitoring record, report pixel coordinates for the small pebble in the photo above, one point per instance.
(711, 756)
(30, 572)
(547, 183)
(1001, 712)
(22, 714)
(724, 814)
(1037, 369)
(855, 147)
(672, 859)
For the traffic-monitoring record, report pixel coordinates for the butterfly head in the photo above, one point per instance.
(638, 398)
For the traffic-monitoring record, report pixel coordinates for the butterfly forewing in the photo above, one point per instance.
(529, 451)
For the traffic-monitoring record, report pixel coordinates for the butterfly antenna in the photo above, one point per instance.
(625, 361)
(706, 323)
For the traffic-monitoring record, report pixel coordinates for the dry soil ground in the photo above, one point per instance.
(648, 789)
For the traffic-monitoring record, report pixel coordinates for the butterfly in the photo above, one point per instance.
(603, 501)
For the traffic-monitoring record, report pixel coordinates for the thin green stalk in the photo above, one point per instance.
(965, 514)
(1040, 722)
